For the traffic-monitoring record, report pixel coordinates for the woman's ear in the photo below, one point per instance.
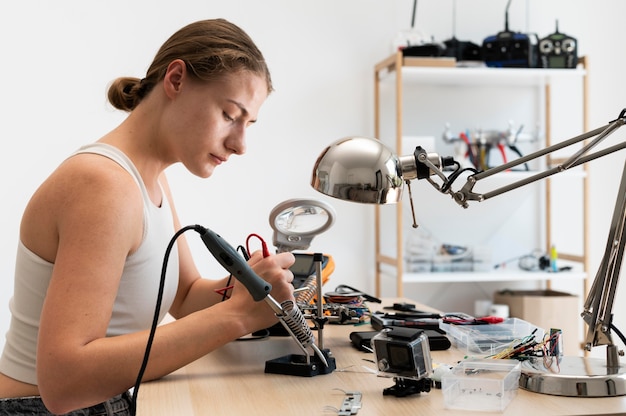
(173, 79)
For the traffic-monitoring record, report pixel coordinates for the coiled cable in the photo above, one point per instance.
(292, 318)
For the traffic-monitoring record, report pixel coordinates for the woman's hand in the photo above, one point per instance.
(274, 269)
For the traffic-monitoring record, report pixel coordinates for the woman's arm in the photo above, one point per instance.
(88, 236)
(195, 293)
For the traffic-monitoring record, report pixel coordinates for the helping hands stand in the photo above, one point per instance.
(307, 365)
(287, 312)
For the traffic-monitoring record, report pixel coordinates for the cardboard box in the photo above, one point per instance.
(547, 309)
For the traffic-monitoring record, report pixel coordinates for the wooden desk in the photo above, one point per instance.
(232, 381)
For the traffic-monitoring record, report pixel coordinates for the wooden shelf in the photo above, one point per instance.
(426, 71)
(398, 73)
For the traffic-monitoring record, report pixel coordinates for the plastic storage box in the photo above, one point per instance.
(491, 338)
(486, 385)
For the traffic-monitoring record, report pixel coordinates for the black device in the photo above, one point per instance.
(510, 49)
(304, 267)
(304, 275)
(424, 50)
(462, 50)
(558, 50)
(416, 320)
(437, 339)
(459, 49)
(404, 354)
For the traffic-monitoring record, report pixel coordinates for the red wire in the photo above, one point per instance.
(469, 153)
(224, 291)
(266, 252)
(502, 152)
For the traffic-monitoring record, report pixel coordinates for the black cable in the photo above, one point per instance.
(246, 256)
(157, 311)
(244, 252)
(413, 14)
(369, 298)
(528, 262)
(619, 333)
(520, 154)
(224, 295)
(455, 175)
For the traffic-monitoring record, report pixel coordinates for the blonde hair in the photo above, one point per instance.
(210, 50)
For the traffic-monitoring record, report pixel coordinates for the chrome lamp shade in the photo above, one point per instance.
(359, 169)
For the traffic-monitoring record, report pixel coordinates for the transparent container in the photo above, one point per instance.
(486, 385)
(491, 338)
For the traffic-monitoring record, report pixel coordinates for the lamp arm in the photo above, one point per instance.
(597, 311)
(466, 193)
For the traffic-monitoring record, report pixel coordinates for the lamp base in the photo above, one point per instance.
(573, 377)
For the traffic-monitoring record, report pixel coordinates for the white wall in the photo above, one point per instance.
(58, 57)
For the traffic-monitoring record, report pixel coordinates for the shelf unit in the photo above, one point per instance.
(442, 71)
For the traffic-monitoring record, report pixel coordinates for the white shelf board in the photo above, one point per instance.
(506, 275)
(484, 75)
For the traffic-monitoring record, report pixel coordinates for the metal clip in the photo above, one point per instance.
(351, 403)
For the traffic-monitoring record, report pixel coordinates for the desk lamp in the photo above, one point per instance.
(362, 169)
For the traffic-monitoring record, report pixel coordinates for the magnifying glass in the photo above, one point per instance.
(297, 221)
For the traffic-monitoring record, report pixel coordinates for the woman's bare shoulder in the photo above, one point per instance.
(86, 192)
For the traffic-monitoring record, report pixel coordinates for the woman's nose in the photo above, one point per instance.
(236, 142)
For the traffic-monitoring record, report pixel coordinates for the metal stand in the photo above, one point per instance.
(308, 365)
(584, 376)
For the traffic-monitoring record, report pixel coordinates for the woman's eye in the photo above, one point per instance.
(227, 117)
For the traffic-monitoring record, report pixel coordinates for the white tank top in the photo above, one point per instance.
(137, 294)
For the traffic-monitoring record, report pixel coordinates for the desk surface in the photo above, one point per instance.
(232, 381)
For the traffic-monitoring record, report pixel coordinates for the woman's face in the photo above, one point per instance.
(206, 122)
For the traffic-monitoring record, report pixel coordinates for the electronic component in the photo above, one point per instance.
(362, 340)
(380, 321)
(404, 354)
(458, 49)
(558, 50)
(510, 49)
(305, 276)
(351, 403)
(304, 267)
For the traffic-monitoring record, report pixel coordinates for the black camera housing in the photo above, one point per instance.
(402, 352)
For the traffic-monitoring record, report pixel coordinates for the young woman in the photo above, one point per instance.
(93, 237)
